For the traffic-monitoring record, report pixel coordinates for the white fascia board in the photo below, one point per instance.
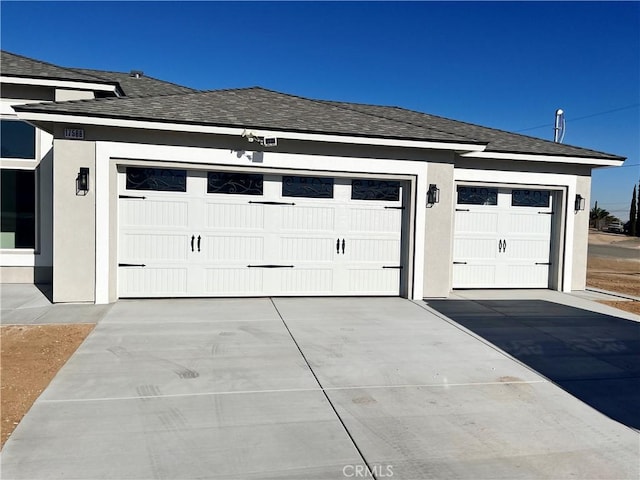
(602, 162)
(44, 82)
(181, 127)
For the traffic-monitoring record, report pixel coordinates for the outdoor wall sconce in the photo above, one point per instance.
(579, 204)
(82, 181)
(433, 194)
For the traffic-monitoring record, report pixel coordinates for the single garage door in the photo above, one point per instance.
(502, 237)
(199, 233)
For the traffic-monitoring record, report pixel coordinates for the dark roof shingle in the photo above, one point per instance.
(143, 86)
(15, 65)
(259, 108)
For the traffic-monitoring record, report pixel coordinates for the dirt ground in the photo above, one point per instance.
(31, 356)
(615, 274)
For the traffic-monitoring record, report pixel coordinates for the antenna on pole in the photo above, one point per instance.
(558, 128)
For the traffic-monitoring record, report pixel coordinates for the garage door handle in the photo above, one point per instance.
(198, 242)
(338, 246)
(273, 203)
(270, 266)
(504, 246)
(500, 246)
(193, 238)
(343, 246)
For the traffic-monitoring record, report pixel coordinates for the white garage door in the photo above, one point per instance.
(235, 234)
(502, 238)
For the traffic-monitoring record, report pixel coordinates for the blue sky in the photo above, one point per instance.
(506, 65)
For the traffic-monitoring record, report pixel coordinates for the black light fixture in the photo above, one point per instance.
(82, 181)
(433, 194)
(579, 203)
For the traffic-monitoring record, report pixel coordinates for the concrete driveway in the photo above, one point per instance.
(305, 388)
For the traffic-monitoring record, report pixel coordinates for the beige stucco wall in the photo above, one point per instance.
(581, 234)
(74, 239)
(439, 232)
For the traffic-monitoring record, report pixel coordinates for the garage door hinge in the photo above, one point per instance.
(392, 266)
(396, 208)
(543, 263)
(131, 196)
(459, 263)
(462, 210)
(273, 203)
(270, 266)
(131, 265)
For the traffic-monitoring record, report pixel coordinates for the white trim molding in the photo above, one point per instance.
(603, 162)
(45, 82)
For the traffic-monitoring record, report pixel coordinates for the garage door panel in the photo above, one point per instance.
(472, 276)
(224, 248)
(504, 243)
(376, 219)
(373, 250)
(475, 248)
(238, 280)
(153, 281)
(534, 224)
(527, 275)
(378, 281)
(156, 213)
(234, 216)
(476, 222)
(296, 249)
(531, 250)
(315, 219)
(260, 244)
(306, 280)
(157, 247)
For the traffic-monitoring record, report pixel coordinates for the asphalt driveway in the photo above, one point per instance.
(305, 388)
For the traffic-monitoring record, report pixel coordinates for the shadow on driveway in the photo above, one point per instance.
(594, 357)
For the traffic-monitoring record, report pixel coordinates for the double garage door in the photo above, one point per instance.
(502, 237)
(199, 233)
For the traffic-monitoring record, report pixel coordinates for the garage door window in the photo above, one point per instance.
(311, 187)
(477, 196)
(234, 183)
(375, 190)
(530, 198)
(159, 179)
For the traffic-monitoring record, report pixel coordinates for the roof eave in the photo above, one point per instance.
(594, 161)
(59, 83)
(32, 115)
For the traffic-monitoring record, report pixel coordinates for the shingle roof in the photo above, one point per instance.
(15, 65)
(498, 141)
(250, 108)
(265, 109)
(144, 86)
